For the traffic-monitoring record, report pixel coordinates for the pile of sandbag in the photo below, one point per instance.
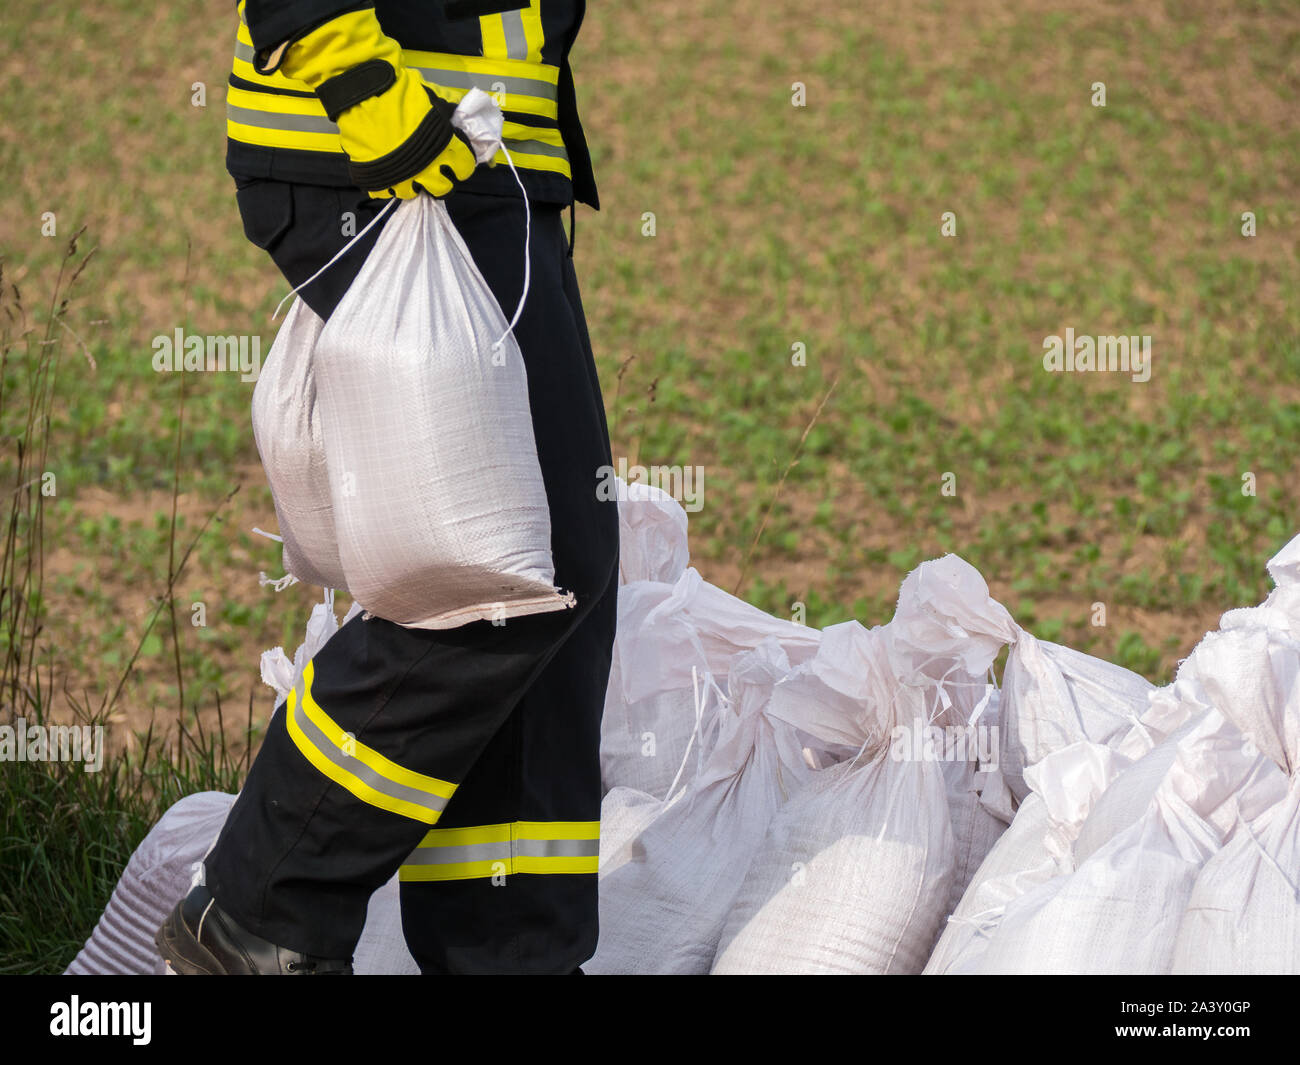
(807, 834)
(1172, 845)
(781, 799)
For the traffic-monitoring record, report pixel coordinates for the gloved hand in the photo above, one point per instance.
(397, 132)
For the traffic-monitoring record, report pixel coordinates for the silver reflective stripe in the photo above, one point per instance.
(500, 851)
(470, 852)
(461, 79)
(512, 23)
(536, 148)
(279, 120)
(358, 768)
(558, 848)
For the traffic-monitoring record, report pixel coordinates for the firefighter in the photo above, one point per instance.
(464, 760)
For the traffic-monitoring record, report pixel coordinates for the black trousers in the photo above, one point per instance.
(499, 724)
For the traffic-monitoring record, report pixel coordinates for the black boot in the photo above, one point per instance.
(200, 939)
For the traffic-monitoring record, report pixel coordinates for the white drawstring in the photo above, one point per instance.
(528, 225)
(341, 252)
(278, 583)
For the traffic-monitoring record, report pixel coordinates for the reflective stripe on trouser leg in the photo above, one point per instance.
(536, 847)
(365, 772)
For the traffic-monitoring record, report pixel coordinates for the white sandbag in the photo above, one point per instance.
(642, 745)
(929, 661)
(1096, 791)
(666, 631)
(1018, 862)
(1053, 696)
(439, 507)
(669, 637)
(976, 825)
(156, 877)
(652, 544)
(665, 894)
(624, 815)
(1243, 915)
(290, 441)
(159, 874)
(382, 949)
(1118, 913)
(947, 627)
(439, 511)
(1118, 910)
(852, 877)
(1058, 818)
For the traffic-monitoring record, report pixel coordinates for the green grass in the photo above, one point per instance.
(66, 834)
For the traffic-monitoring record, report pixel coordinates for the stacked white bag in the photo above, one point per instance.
(665, 891)
(674, 629)
(398, 438)
(1052, 697)
(1116, 904)
(855, 872)
(1243, 915)
(1148, 853)
(643, 743)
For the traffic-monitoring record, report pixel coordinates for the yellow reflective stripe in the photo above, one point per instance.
(363, 771)
(463, 871)
(526, 161)
(517, 131)
(507, 100)
(466, 837)
(524, 86)
(554, 830)
(267, 120)
(505, 832)
(493, 66)
(493, 30)
(386, 768)
(534, 847)
(532, 21)
(280, 105)
(282, 138)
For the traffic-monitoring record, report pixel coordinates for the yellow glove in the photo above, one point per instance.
(396, 131)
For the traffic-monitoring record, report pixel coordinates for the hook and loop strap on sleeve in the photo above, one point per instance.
(352, 86)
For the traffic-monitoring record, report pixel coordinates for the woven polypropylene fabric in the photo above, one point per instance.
(420, 424)
(852, 877)
(159, 873)
(287, 428)
(156, 877)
